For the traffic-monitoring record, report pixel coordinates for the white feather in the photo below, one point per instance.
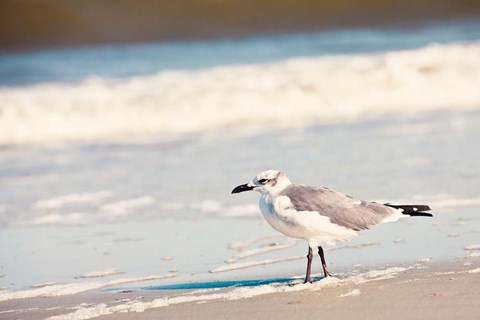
(309, 225)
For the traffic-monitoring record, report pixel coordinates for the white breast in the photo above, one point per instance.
(308, 225)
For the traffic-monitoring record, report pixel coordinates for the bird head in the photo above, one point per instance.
(269, 182)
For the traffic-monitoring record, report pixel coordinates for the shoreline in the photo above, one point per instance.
(252, 252)
(436, 291)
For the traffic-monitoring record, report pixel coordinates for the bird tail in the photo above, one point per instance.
(412, 210)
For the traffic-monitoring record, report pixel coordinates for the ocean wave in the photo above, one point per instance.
(61, 201)
(294, 92)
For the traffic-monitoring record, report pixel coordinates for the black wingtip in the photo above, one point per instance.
(412, 210)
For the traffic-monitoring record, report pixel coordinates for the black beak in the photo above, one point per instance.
(241, 188)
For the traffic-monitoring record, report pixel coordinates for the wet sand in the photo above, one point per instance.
(27, 25)
(441, 291)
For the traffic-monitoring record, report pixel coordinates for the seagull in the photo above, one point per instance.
(319, 215)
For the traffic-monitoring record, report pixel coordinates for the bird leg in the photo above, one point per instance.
(309, 264)
(324, 264)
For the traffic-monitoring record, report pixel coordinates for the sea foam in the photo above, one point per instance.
(230, 295)
(293, 92)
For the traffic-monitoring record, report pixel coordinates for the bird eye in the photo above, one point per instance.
(263, 181)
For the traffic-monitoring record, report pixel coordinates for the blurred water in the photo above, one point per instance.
(289, 93)
(143, 59)
(187, 211)
(438, 152)
(125, 202)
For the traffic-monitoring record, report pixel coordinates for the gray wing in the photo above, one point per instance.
(340, 208)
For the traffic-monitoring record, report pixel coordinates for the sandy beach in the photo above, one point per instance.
(440, 291)
(433, 293)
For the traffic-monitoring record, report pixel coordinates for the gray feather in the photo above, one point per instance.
(340, 208)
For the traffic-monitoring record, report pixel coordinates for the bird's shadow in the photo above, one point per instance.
(291, 281)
